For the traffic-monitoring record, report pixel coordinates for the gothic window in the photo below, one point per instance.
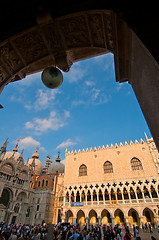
(108, 167)
(16, 208)
(46, 183)
(83, 170)
(136, 164)
(39, 184)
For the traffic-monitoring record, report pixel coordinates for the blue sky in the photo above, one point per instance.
(89, 109)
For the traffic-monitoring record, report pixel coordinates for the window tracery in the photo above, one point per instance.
(136, 164)
(108, 167)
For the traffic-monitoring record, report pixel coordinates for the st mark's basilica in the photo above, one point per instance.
(108, 184)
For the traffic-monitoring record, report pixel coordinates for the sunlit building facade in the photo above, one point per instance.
(112, 184)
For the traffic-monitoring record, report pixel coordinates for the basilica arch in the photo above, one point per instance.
(6, 197)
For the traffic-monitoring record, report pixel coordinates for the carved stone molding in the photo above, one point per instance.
(59, 42)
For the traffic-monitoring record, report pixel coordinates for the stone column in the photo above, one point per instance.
(127, 221)
(134, 63)
(74, 220)
(98, 198)
(129, 196)
(112, 220)
(109, 197)
(143, 195)
(87, 222)
(99, 221)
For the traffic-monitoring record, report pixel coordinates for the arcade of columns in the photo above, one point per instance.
(131, 202)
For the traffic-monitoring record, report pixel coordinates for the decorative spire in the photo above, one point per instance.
(58, 158)
(4, 146)
(20, 158)
(36, 155)
(15, 149)
(146, 136)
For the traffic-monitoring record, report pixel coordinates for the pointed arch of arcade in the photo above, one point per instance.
(92, 217)
(81, 217)
(69, 217)
(106, 217)
(6, 197)
(133, 217)
(119, 217)
(148, 216)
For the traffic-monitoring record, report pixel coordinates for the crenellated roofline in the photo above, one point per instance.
(116, 145)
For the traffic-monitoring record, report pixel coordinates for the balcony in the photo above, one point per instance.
(118, 202)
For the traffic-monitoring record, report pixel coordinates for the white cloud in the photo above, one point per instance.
(44, 98)
(105, 61)
(78, 102)
(30, 79)
(66, 144)
(53, 122)
(75, 73)
(97, 96)
(89, 83)
(29, 143)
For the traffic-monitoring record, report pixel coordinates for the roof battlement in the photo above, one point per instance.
(105, 147)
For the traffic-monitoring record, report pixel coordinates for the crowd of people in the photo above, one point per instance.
(65, 232)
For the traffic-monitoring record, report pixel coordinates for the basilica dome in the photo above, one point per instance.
(14, 154)
(35, 163)
(56, 167)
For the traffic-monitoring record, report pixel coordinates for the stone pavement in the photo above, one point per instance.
(147, 235)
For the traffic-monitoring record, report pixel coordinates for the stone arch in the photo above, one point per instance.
(22, 196)
(106, 217)
(100, 195)
(146, 192)
(88, 196)
(139, 193)
(6, 197)
(132, 193)
(67, 196)
(93, 217)
(83, 196)
(148, 215)
(77, 196)
(153, 192)
(8, 167)
(119, 217)
(125, 193)
(94, 195)
(72, 196)
(69, 217)
(81, 217)
(133, 217)
(106, 195)
(119, 195)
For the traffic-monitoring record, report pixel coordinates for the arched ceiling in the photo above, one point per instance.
(36, 34)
